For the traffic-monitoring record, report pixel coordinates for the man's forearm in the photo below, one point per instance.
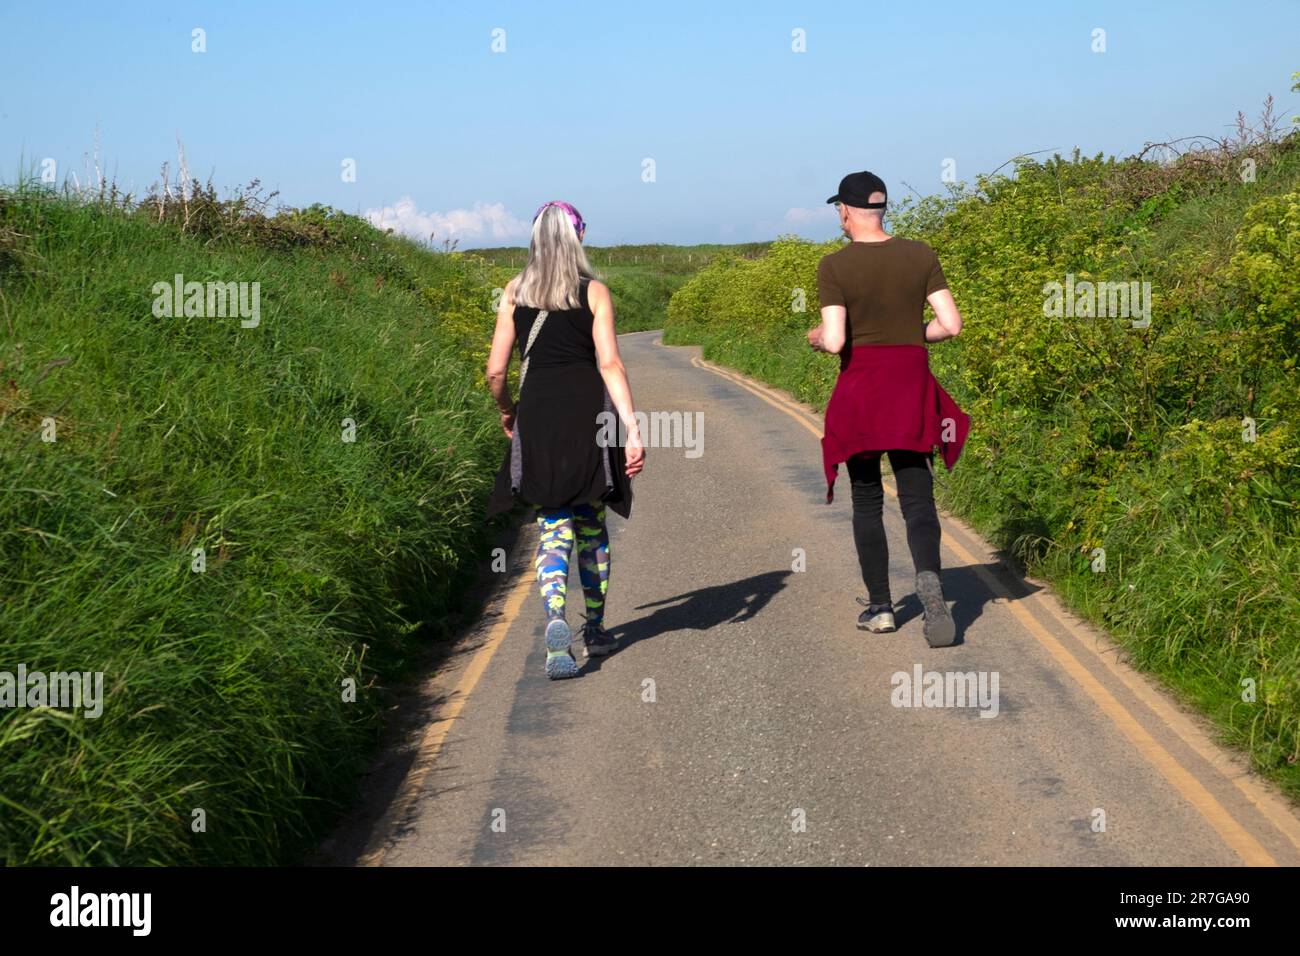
(935, 332)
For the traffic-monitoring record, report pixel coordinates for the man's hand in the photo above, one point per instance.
(815, 339)
(508, 422)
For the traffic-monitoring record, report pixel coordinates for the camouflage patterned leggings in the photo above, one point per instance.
(559, 528)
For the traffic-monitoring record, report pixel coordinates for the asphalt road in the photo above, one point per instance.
(745, 720)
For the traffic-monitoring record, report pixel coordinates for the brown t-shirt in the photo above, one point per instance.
(883, 286)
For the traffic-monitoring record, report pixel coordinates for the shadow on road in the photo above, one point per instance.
(709, 607)
(704, 608)
(967, 592)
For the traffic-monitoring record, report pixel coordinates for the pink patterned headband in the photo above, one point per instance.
(574, 216)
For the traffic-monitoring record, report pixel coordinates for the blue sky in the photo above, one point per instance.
(748, 137)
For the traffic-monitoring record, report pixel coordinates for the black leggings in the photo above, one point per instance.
(915, 480)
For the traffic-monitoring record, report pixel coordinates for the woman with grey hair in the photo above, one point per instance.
(571, 382)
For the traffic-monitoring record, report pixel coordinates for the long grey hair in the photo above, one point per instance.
(556, 264)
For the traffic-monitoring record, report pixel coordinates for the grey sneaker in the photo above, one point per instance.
(877, 618)
(596, 641)
(560, 662)
(940, 631)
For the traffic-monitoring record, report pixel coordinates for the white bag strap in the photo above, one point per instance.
(528, 346)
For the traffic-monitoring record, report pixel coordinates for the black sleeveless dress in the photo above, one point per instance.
(555, 459)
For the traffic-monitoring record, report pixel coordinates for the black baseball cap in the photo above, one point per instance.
(856, 190)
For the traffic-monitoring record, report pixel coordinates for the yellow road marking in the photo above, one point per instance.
(1233, 833)
(436, 733)
(1274, 809)
(774, 401)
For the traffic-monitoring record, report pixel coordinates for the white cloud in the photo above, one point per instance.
(486, 221)
(810, 217)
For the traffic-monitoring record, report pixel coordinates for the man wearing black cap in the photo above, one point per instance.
(873, 293)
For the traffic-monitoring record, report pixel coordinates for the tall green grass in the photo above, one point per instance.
(1089, 434)
(326, 561)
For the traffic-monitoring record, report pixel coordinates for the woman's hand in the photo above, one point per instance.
(634, 452)
(815, 339)
(508, 422)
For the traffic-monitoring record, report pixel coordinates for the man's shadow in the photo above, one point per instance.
(967, 593)
(963, 587)
(702, 609)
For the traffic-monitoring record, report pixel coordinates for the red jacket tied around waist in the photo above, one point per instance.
(887, 399)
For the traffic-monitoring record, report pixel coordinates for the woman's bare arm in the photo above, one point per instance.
(613, 372)
(498, 363)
